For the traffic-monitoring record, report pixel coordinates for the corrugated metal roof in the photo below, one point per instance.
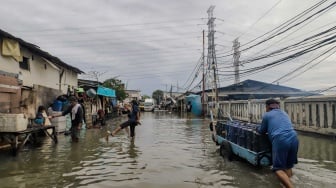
(252, 86)
(256, 89)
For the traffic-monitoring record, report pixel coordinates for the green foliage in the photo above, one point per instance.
(145, 97)
(158, 96)
(118, 86)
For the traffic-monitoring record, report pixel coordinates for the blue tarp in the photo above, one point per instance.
(107, 92)
(196, 104)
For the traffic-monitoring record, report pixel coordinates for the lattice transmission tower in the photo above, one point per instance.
(212, 75)
(236, 62)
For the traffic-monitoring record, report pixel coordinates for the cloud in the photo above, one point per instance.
(154, 43)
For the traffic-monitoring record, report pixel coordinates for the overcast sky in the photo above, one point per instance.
(156, 44)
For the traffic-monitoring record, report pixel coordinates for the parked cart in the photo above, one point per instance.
(14, 131)
(238, 138)
(16, 144)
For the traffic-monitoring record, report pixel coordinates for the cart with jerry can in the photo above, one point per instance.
(240, 139)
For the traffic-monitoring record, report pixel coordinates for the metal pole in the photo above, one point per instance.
(203, 79)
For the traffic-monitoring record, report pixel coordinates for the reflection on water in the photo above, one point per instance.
(317, 148)
(169, 151)
(317, 161)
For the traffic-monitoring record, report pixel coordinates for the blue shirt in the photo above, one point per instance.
(277, 124)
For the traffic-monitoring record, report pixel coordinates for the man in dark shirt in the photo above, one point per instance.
(76, 113)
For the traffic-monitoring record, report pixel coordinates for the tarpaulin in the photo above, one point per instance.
(11, 47)
(107, 92)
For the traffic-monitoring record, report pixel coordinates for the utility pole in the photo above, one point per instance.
(236, 56)
(203, 77)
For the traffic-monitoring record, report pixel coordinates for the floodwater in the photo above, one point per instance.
(170, 151)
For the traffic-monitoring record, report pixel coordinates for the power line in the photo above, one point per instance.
(281, 31)
(262, 16)
(296, 45)
(281, 28)
(288, 79)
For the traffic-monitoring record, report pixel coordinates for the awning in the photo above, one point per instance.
(80, 90)
(107, 92)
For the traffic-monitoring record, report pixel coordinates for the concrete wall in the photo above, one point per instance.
(10, 93)
(39, 95)
(309, 114)
(69, 78)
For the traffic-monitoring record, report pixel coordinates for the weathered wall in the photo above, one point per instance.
(69, 78)
(10, 93)
(39, 95)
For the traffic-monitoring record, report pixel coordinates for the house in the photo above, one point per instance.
(103, 99)
(132, 95)
(167, 94)
(30, 77)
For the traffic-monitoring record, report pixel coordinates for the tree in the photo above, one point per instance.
(145, 97)
(158, 95)
(118, 86)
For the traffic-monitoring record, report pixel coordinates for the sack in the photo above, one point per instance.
(47, 121)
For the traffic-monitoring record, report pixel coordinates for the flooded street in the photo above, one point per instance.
(169, 151)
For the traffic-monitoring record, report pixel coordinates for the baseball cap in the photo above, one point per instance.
(271, 101)
(72, 99)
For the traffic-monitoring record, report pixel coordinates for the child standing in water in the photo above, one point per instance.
(41, 116)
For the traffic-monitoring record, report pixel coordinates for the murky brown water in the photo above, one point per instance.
(170, 151)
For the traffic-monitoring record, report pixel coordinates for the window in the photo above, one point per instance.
(24, 64)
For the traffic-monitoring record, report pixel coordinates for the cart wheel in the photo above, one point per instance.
(225, 150)
(213, 139)
(210, 126)
(264, 156)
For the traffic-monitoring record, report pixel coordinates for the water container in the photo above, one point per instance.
(65, 105)
(233, 129)
(230, 131)
(220, 128)
(57, 105)
(241, 136)
(261, 143)
(91, 93)
(265, 143)
(249, 138)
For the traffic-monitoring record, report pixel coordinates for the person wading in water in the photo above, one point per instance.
(283, 137)
(76, 114)
(133, 115)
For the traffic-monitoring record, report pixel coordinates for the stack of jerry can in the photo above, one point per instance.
(244, 135)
